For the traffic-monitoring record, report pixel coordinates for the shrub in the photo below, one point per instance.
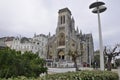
(13, 64)
(117, 61)
(83, 75)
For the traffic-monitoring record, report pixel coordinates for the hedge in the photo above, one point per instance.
(81, 75)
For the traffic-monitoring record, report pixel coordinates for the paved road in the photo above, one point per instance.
(62, 70)
(59, 70)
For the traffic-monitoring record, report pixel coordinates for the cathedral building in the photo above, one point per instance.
(66, 39)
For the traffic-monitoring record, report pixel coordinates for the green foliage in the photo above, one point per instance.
(83, 75)
(97, 59)
(13, 64)
(117, 61)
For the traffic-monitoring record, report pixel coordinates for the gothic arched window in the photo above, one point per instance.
(61, 39)
(62, 19)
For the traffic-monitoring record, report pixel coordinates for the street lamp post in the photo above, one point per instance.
(99, 8)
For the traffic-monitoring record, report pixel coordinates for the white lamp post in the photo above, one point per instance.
(99, 8)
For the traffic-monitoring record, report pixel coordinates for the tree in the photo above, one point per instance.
(110, 53)
(97, 58)
(97, 61)
(74, 54)
(117, 61)
(13, 64)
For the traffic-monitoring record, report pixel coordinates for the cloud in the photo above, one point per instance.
(26, 17)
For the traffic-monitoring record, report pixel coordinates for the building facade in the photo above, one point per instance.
(37, 44)
(2, 43)
(6, 41)
(21, 44)
(68, 38)
(55, 49)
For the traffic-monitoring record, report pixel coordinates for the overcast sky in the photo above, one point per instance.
(26, 17)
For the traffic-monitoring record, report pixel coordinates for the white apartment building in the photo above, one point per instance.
(22, 44)
(37, 44)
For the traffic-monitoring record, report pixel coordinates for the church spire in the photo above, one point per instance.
(77, 30)
(34, 34)
(73, 23)
(73, 19)
(49, 34)
(81, 32)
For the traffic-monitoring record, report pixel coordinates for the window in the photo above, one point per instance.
(62, 39)
(61, 19)
(37, 43)
(73, 45)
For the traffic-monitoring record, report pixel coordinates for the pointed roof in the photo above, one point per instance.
(24, 39)
(77, 30)
(34, 34)
(80, 32)
(73, 19)
(49, 35)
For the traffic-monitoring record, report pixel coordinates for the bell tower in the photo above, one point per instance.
(64, 25)
(63, 32)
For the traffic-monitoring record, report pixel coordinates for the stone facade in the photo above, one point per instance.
(68, 38)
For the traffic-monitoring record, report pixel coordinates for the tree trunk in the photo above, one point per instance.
(109, 66)
(75, 64)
